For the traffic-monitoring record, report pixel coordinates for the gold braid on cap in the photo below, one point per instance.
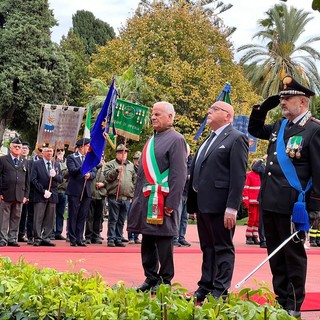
(291, 93)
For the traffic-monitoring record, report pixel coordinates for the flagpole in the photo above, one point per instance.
(122, 162)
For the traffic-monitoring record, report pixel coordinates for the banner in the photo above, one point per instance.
(241, 122)
(129, 119)
(60, 126)
(223, 96)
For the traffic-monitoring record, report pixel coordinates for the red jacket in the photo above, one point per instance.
(251, 189)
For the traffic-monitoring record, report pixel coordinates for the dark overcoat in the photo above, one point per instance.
(14, 180)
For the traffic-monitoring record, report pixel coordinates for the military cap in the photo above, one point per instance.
(137, 155)
(291, 87)
(26, 143)
(16, 140)
(82, 142)
(121, 147)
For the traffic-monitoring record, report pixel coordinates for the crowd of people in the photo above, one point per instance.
(165, 183)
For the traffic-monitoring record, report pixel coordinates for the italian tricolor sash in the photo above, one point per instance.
(157, 187)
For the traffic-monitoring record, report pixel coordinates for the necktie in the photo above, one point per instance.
(288, 126)
(15, 160)
(48, 166)
(198, 164)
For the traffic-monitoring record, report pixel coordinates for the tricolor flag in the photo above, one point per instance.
(87, 127)
(101, 126)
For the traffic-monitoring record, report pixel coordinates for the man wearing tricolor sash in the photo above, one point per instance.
(290, 187)
(154, 211)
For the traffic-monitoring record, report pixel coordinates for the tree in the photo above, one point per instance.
(75, 52)
(32, 68)
(315, 4)
(280, 54)
(92, 32)
(182, 58)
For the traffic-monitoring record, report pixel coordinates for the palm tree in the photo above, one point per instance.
(280, 54)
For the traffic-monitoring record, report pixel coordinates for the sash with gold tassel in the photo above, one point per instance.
(157, 187)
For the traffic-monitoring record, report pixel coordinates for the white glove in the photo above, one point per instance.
(47, 194)
(52, 173)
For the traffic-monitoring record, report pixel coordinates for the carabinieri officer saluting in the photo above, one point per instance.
(291, 183)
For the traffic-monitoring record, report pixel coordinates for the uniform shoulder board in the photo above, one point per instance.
(317, 121)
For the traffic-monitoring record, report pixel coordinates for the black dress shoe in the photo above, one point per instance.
(200, 294)
(145, 287)
(3, 244)
(13, 244)
(48, 244)
(30, 242)
(81, 244)
(60, 237)
(119, 244)
(73, 244)
(37, 243)
(97, 241)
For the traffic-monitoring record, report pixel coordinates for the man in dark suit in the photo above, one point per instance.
(79, 193)
(14, 191)
(45, 177)
(301, 143)
(218, 174)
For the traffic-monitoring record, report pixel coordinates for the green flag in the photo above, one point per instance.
(129, 119)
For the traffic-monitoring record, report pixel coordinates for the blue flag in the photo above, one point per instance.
(101, 126)
(224, 96)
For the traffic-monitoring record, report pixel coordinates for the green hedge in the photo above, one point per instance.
(27, 292)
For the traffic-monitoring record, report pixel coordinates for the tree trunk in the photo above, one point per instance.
(2, 128)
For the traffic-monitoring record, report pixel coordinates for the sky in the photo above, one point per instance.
(243, 15)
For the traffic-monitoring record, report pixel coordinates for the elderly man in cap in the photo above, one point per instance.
(121, 179)
(290, 186)
(217, 178)
(79, 193)
(14, 192)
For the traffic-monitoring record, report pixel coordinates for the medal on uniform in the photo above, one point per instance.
(294, 147)
(274, 136)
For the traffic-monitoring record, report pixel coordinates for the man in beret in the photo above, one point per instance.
(79, 193)
(14, 191)
(121, 178)
(293, 161)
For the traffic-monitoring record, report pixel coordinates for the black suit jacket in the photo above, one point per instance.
(14, 181)
(222, 174)
(276, 193)
(40, 180)
(76, 179)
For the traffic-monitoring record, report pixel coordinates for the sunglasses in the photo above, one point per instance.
(60, 150)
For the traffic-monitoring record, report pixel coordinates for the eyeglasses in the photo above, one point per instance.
(17, 146)
(215, 108)
(40, 150)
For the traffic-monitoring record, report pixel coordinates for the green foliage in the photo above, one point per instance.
(93, 32)
(181, 56)
(32, 69)
(27, 292)
(281, 51)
